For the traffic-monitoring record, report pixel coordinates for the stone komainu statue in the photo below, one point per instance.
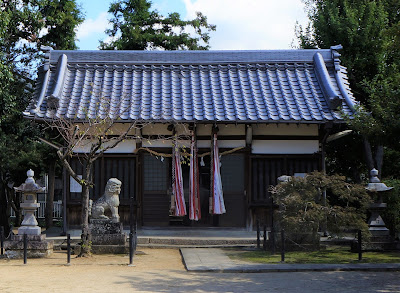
(109, 201)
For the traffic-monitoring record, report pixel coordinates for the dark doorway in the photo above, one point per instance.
(157, 193)
(233, 183)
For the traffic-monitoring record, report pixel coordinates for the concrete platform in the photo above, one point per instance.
(177, 237)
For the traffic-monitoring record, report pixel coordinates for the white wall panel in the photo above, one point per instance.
(124, 147)
(285, 146)
(285, 129)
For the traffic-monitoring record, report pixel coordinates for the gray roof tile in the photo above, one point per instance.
(288, 85)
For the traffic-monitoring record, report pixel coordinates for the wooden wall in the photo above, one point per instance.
(109, 166)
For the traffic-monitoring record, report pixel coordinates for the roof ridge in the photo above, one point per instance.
(190, 57)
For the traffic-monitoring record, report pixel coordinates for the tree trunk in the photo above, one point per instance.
(85, 183)
(14, 199)
(373, 162)
(379, 159)
(4, 213)
(86, 239)
(50, 196)
(357, 176)
(369, 159)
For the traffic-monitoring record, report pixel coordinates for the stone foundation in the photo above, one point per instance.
(107, 237)
(37, 246)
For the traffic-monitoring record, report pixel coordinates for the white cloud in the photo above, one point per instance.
(250, 24)
(93, 26)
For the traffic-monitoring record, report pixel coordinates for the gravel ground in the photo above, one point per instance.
(161, 270)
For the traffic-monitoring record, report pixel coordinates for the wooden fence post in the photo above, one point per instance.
(359, 245)
(2, 239)
(68, 249)
(25, 248)
(283, 245)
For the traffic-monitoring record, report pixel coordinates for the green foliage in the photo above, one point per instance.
(7, 100)
(29, 24)
(343, 156)
(25, 25)
(359, 26)
(136, 27)
(370, 34)
(302, 207)
(391, 215)
(20, 29)
(392, 170)
(60, 18)
(384, 92)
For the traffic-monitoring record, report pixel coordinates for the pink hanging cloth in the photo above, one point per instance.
(194, 184)
(177, 185)
(218, 205)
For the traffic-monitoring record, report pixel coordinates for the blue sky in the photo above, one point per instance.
(241, 24)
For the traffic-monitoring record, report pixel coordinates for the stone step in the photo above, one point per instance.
(195, 241)
(144, 241)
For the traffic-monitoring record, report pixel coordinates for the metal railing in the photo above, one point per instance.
(40, 212)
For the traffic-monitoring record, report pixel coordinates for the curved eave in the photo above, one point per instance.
(333, 98)
(280, 121)
(344, 92)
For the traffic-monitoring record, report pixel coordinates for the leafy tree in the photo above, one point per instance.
(391, 214)
(25, 25)
(12, 128)
(60, 19)
(358, 26)
(136, 27)
(303, 209)
(369, 33)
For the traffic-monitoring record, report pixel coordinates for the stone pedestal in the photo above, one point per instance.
(37, 246)
(107, 237)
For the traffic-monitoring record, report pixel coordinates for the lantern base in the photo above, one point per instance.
(37, 246)
(29, 230)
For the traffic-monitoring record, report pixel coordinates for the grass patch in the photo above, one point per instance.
(330, 255)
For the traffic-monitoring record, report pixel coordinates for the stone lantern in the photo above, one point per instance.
(37, 245)
(29, 205)
(377, 189)
(380, 235)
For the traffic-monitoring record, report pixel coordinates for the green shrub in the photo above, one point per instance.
(303, 208)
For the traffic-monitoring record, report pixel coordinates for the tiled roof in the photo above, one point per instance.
(302, 86)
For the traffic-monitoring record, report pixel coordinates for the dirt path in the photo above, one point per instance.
(100, 273)
(161, 270)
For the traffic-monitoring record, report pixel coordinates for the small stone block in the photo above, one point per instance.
(40, 237)
(107, 236)
(36, 248)
(104, 226)
(110, 249)
(18, 254)
(32, 245)
(35, 230)
(109, 239)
